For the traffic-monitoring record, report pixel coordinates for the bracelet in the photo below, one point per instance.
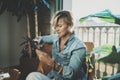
(58, 67)
(60, 70)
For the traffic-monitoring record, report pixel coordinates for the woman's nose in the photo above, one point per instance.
(57, 29)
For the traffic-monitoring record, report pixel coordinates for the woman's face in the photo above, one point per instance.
(62, 28)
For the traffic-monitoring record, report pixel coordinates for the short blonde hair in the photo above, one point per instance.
(66, 15)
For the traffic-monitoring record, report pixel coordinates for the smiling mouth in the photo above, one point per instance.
(58, 32)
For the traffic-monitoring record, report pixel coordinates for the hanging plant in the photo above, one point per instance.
(20, 8)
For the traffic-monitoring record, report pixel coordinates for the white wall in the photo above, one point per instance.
(11, 33)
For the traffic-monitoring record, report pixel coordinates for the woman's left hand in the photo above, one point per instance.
(44, 58)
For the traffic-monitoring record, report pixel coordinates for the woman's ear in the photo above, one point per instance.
(71, 28)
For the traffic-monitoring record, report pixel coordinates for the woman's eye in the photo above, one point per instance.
(60, 26)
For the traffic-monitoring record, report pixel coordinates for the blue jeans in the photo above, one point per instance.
(36, 76)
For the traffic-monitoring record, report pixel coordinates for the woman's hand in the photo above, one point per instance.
(44, 58)
(37, 39)
(47, 63)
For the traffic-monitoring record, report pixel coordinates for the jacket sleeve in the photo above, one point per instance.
(75, 64)
(48, 38)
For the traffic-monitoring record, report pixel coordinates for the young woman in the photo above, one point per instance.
(68, 52)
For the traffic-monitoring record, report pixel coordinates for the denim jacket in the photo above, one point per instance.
(71, 57)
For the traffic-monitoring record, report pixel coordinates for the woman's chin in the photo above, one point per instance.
(59, 35)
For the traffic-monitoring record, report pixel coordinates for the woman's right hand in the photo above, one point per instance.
(37, 39)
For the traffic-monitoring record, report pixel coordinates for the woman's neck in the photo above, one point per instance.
(66, 37)
(63, 41)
